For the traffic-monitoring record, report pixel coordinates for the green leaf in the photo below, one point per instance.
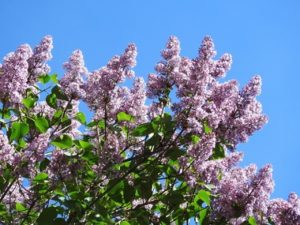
(48, 216)
(59, 93)
(80, 117)
(20, 207)
(2, 184)
(18, 130)
(41, 124)
(174, 198)
(60, 221)
(63, 141)
(145, 189)
(40, 177)
(166, 119)
(207, 128)
(44, 164)
(29, 102)
(218, 152)
(6, 113)
(116, 191)
(270, 221)
(53, 78)
(85, 144)
(202, 215)
(195, 139)
(92, 124)
(117, 186)
(143, 130)
(22, 143)
(124, 223)
(90, 157)
(44, 78)
(252, 220)
(117, 197)
(164, 124)
(57, 116)
(129, 192)
(101, 124)
(203, 196)
(52, 100)
(175, 153)
(123, 116)
(65, 121)
(154, 140)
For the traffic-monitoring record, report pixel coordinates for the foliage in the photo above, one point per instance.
(130, 163)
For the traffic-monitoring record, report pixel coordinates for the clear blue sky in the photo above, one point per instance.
(262, 36)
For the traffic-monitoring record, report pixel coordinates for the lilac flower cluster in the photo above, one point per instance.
(21, 69)
(232, 116)
(285, 212)
(14, 73)
(35, 152)
(38, 61)
(242, 193)
(72, 82)
(102, 83)
(7, 151)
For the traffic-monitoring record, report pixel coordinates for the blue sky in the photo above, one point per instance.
(262, 36)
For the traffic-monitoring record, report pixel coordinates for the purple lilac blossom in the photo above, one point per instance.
(13, 81)
(72, 81)
(7, 151)
(37, 62)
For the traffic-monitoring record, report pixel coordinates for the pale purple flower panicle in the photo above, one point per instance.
(243, 193)
(294, 200)
(72, 82)
(154, 110)
(131, 101)
(6, 151)
(17, 193)
(203, 149)
(35, 152)
(13, 81)
(38, 62)
(207, 50)
(134, 103)
(32, 154)
(122, 64)
(223, 102)
(107, 98)
(42, 108)
(262, 186)
(247, 116)
(155, 85)
(128, 59)
(210, 171)
(101, 83)
(222, 66)
(58, 167)
(168, 69)
(284, 212)
(172, 48)
(253, 88)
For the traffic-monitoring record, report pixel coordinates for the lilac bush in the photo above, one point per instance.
(167, 162)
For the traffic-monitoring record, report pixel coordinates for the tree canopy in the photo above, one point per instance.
(170, 161)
